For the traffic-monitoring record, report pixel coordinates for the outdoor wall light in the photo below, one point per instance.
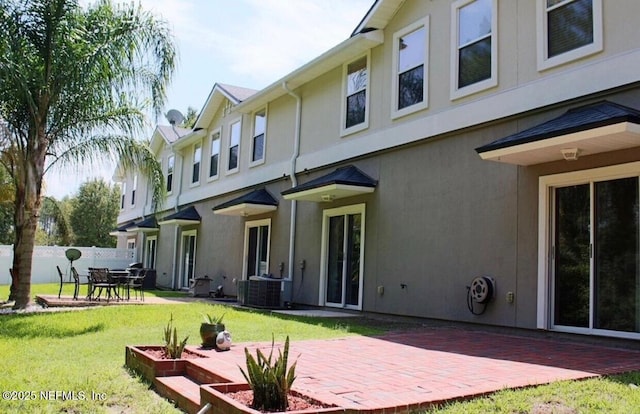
(570, 154)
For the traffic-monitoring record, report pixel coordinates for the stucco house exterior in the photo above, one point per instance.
(443, 142)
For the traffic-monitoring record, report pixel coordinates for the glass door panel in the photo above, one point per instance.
(335, 269)
(616, 255)
(353, 259)
(188, 259)
(572, 261)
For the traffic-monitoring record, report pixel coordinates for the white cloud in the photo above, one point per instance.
(250, 43)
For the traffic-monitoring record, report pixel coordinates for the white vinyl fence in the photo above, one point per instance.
(46, 258)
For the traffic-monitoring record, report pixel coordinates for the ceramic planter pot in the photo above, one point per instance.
(209, 332)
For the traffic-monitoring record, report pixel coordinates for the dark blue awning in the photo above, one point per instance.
(186, 216)
(344, 182)
(599, 127)
(256, 202)
(146, 225)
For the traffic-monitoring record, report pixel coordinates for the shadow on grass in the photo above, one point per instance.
(359, 325)
(630, 379)
(29, 326)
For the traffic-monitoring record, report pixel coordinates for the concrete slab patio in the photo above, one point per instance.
(399, 372)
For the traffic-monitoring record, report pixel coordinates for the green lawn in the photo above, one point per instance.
(81, 354)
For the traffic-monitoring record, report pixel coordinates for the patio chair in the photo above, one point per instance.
(135, 283)
(63, 282)
(79, 282)
(101, 280)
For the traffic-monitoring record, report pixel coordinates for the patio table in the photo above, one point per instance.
(121, 278)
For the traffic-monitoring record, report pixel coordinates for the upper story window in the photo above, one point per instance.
(197, 158)
(234, 146)
(568, 30)
(170, 165)
(123, 192)
(214, 159)
(259, 130)
(133, 190)
(410, 68)
(355, 100)
(474, 60)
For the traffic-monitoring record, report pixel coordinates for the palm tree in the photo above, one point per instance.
(75, 83)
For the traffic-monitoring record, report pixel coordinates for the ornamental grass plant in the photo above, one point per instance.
(270, 379)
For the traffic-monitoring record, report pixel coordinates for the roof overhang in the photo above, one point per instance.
(329, 192)
(344, 182)
(245, 210)
(259, 201)
(148, 225)
(587, 130)
(349, 49)
(122, 230)
(379, 15)
(189, 139)
(184, 217)
(608, 138)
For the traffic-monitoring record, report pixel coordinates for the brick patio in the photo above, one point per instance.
(399, 372)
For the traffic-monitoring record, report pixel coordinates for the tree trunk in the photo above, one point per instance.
(27, 211)
(23, 259)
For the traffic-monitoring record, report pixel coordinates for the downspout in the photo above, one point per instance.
(294, 180)
(174, 284)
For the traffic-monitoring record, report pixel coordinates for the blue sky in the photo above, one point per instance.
(249, 43)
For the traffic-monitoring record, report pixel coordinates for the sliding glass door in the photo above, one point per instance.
(343, 255)
(595, 256)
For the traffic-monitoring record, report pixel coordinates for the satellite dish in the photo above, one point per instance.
(174, 117)
(72, 254)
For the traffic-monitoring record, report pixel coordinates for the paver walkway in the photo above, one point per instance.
(402, 371)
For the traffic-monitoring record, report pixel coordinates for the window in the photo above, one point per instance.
(131, 244)
(410, 51)
(259, 130)
(355, 107)
(123, 192)
(474, 37)
(150, 252)
(197, 157)
(568, 30)
(133, 191)
(214, 159)
(170, 164)
(234, 146)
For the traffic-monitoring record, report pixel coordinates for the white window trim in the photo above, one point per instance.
(343, 114)
(173, 173)
(395, 112)
(193, 161)
(134, 190)
(545, 210)
(326, 214)
(545, 63)
(219, 132)
(182, 250)
(245, 255)
(457, 93)
(261, 161)
(131, 242)
(228, 147)
(149, 239)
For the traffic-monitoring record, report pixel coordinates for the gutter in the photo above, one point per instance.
(178, 154)
(294, 180)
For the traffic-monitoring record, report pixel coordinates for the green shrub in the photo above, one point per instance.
(269, 381)
(172, 348)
